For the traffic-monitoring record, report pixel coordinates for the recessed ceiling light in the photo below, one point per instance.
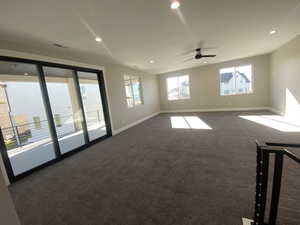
(151, 61)
(204, 62)
(98, 39)
(272, 32)
(175, 5)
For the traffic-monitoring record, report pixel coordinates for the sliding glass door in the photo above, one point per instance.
(67, 114)
(47, 111)
(93, 109)
(23, 118)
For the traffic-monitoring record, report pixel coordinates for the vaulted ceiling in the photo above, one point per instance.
(137, 31)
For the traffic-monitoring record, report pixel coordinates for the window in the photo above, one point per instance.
(133, 90)
(83, 92)
(67, 115)
(236, 80)
(178, 87)
(23, 118)
(37, 122)
(2, 94)
(92, 104)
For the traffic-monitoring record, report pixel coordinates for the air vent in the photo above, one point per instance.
(59, 45)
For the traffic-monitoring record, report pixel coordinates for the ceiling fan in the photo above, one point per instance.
(199, 54)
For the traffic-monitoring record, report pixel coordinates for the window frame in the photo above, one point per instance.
(44, 93)
(130, 80)
(179, 97)
(236, 94)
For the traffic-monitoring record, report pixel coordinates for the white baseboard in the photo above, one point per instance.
(117, 131)
(216, 110)
(276, 111)
(247, 221)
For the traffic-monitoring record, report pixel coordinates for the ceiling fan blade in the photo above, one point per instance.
(188, 60)
(187, 53)
(208, 56)
(209, 48)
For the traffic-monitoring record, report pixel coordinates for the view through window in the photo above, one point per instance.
(178, 87)
(66, 111)
(236, 80)
(92, 104)
(23, 118)
(133, 90)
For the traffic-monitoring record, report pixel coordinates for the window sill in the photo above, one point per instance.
(136, 106)
(180, 99)
(250, 93)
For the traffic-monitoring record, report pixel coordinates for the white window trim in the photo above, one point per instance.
(131, 87)
(179, 97)
(252, 80)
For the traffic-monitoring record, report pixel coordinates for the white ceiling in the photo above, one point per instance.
(137, 31)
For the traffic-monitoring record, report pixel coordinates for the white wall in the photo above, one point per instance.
(285, 78)
(8, 215)
(121, 114)
(3, 171)
(205, 87)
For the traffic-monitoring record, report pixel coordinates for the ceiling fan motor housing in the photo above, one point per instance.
(198, 56)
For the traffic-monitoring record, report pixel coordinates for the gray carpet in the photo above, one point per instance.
(152, 174)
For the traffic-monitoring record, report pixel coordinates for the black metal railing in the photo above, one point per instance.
(262, 173)
(27, 133)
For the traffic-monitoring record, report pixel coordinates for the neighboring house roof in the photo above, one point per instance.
(226, 77)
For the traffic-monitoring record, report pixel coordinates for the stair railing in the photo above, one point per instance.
(262, 172)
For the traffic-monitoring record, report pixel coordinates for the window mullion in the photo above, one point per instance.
(131, 87)
(178, 87)
(235, 86)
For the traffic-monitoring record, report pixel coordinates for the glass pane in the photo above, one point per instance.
(184, 87)
(126, 77)
(130, 102)
(136, 91)
(128, 91)
(227, 81)
(66, 111)
(92, 105)
(244, 79)
(173, 89)
(23, 117)
(127, 82)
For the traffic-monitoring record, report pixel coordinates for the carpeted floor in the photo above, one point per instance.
(152, 174)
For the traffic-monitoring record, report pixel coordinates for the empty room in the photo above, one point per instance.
(160, 112)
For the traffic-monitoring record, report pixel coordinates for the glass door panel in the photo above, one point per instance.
(23, 117)
(66, 110)
(93, 109)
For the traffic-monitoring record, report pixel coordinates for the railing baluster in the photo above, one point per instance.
(18, 138)
(257, 212)
(264, 185)
(258, 178)
(276, 188)
(261, 185)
